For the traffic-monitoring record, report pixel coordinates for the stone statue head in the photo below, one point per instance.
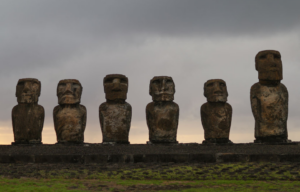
(28, 90)
(69, 91)
(269, 66)
(115, 87)
(215, 90)
(162, 88)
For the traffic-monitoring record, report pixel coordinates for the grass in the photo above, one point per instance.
(34, 185)
(163, 177)
(236, 171)
(74, 185)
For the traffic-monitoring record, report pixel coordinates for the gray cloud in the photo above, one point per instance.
(38, 32)
(175, 17)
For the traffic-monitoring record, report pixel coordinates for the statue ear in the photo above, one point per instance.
(256, 60)
(204, 89)
(16, 90)
(57, 89)
(174, 87)
(40, 88)
(150, 90)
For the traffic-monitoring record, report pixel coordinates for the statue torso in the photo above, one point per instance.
(28, 121)
(70, 123)
(270, 108)
(162, 120)
(216, 120)
(115, 121)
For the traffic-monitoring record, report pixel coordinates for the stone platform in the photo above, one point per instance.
(141, 153)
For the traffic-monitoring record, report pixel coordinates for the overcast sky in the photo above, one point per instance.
(191, 41)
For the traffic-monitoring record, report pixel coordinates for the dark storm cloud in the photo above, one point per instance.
(41, 33)
(173, 17)
(37, 32)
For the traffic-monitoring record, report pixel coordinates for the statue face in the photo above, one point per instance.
(268, 64)
(28, 90)
(69, 91)
(162, 88)
(115, 87)
(215, 90)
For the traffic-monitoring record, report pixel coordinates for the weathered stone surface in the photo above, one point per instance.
(69, 116)
(28, 116)
(162, 114)
(137, 153)
(269, 99)
(115, 113)
(216, 114)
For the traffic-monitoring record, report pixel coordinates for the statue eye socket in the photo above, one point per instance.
(276, 56)
(263, 56)
(61, 86)
(210, 84)
(169, 81)
(123, 80)
(156, 81)
(21, 84)
(35, 86)
(108, 80)
(222, 84)
(75, 87)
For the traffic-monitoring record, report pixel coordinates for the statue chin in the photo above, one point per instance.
(215, 99)
(68, 100)
(163, 97)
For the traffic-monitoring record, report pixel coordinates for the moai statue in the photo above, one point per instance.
(162, 114)
(269, 99)
(69, 116)
(28, 116)
(115, 113)
(216, 113)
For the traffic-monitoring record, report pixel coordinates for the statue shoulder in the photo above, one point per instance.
(204, 106)
(283, 87)
(56, 109)
(175, 105)
(103, 106)
(254, 89)
(128, 105)
(82, 108)
(15, 108)
(255, 86)
(150, 106)
(40, 108)
(228, 106)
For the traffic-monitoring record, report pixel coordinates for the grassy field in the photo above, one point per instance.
(152, 177)
(75, 185)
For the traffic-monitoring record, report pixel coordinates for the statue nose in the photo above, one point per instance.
(26, 87)
(68, 89)
(116, 87)
(218, 92)
(271, 57)
(163, 86)
(273, 64)
(217, 89)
